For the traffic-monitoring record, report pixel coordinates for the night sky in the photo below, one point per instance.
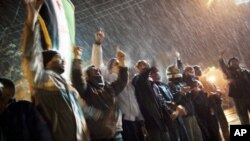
(145, 29)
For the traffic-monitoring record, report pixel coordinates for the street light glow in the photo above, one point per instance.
(211, 79)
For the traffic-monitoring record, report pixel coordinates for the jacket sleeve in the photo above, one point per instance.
(177, 96)
(248, 74)
(31, 48)
(180, 65)
(224, 68)
(146, 99)
(121, 81)
(97, 56)
(77, 77)
(163, 103)
(89, 111)
(181, 99)
(246, 77)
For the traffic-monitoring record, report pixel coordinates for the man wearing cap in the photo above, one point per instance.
(181, 96)
(239, 86)
(57, 100)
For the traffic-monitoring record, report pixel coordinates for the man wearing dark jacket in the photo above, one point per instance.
(239, 86)
(181, 96)
(19, 121)
(101, 95)
(215, 101)
(149, 105)
(173, 113)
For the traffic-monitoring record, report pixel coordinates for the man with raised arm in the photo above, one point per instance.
(239, 82)
(100, 94)
(58, 102)
(97, 55)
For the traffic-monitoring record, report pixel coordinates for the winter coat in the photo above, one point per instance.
(58, 102)
(182, 99)
(103, 99)
(177, 129)
(239, 84)
(21, 121)
(148, 103)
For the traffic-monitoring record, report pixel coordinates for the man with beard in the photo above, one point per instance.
(101, 95)
(57, 100)
(239, 86)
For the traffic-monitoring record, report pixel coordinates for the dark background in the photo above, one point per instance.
(144, 29)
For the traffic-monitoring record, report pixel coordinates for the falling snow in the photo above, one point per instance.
(154, 29)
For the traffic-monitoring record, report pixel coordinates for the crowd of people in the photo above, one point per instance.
(109, 102)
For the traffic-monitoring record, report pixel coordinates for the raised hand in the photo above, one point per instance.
(181, 110)
(185, 89)
(222, 52)
(99, 36)
(33, 7)
(177, 55)
(120, 55)
(77, 52)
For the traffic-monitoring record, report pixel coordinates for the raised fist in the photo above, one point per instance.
(222, 52)
(120, 55)
(77, 52)
(99, 36)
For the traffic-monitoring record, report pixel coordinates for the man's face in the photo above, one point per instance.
(99, 35)
(198, 72)
(190, 72)
(94, 72)
(235, 63)
(57, 64)
(142, 66)
(155, 76)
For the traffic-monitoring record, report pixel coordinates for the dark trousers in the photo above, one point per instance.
(213, 128)
(215, 103)
(132, 131)
(118, 137)
(105, 140)
(157, 135)
(242, 108)
(220, 115)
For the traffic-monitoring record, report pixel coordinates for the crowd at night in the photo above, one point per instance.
(122, 93)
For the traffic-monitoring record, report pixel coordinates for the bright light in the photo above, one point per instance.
(212, 68)
(211, 79)
(209, 3)
(216, 77)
